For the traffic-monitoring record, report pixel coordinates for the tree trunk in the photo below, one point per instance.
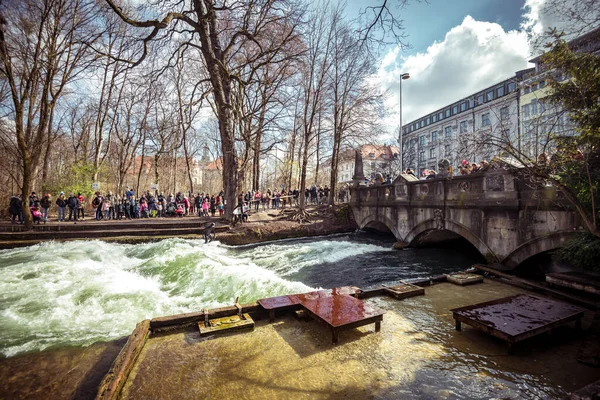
(139, 177)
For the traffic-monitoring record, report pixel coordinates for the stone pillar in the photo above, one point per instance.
(359, 176)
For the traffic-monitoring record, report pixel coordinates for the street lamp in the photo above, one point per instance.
(403, 77)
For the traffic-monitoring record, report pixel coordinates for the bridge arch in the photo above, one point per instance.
(381, 219)
(459, 229)
(536, 246)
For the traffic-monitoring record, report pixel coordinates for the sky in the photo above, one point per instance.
(457, 47)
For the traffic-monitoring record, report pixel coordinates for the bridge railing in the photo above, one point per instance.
(492, 188)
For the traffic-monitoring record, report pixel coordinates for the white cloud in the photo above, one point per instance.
(472, 56)
(574, 17)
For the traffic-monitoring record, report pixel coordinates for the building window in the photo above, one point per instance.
(448, 131)
(485, 119)
(434, 136)
(447, 150)
(542, 84)
(525, 110)
(371, 155)
(489, 95)
(422, 156)
(541, 106)
(431, 153)
(463, 126)
(480, 99)
(428, 121)
(455, 110)
(500, 91)
(422, 140)
(463, 106)
(441, 116)
(533, 106)
(504, 114)
(447, 113)
(422, 123)
(434, 118)
(511, 87)
(527, 89)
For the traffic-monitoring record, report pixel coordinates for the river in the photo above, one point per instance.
(80, 292)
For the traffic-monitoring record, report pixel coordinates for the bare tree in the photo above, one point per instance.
(316, 65)
(221, 30)
(41, 52)
(356, 105)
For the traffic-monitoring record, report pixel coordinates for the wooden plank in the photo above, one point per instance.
(464, 278)
(404, 291)
(516, 318)
(227, 324)
(118, 373)
(576, 284)
(188, 319)
(513, 280)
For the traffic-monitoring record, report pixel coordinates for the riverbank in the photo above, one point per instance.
(417, 354)
(276, 225)
(262, 226)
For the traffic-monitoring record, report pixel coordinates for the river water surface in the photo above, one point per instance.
(80, 292)
(56, 299)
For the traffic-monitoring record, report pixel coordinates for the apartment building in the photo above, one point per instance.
(540, 120)
(467, 129)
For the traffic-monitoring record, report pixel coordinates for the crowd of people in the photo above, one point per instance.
(465, 168)
(109, 206)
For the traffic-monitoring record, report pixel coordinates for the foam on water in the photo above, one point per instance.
(80, 292)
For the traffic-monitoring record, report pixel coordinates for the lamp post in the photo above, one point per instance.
(403, 77)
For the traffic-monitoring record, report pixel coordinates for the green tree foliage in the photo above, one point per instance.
(77, 180)
(582, 251)
(576, 162)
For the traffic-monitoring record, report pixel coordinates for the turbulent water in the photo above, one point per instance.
(80, 292)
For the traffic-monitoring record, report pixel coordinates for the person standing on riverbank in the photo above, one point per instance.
(81, 207)
(61, 203)
(45, 203)
(73, 203)
(16, 208)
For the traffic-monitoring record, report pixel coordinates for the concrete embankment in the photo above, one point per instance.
(261, 227)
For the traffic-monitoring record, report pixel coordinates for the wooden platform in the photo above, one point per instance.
(516, 318)
(226, 324)
(464, 278)
(337, 308)
(404, 290)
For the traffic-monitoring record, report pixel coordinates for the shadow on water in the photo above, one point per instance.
(387, 265)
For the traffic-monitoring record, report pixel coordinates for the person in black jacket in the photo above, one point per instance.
(45, 203)
(73, 203)
(16, 208)
(61, 202)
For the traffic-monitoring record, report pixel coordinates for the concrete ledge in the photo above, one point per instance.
(119, 372)
(180, 321)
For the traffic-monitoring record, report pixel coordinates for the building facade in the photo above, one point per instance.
(467, 129)
(376, 158)
(542, 121)
(512, 113)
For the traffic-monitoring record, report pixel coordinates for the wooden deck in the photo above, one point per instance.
(516, 318)
(337, 308)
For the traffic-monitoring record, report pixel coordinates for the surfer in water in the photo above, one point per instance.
(209, 233)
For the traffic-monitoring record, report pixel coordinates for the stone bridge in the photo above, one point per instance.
(507, 220)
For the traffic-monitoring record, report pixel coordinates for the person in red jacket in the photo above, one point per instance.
(81, 209)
